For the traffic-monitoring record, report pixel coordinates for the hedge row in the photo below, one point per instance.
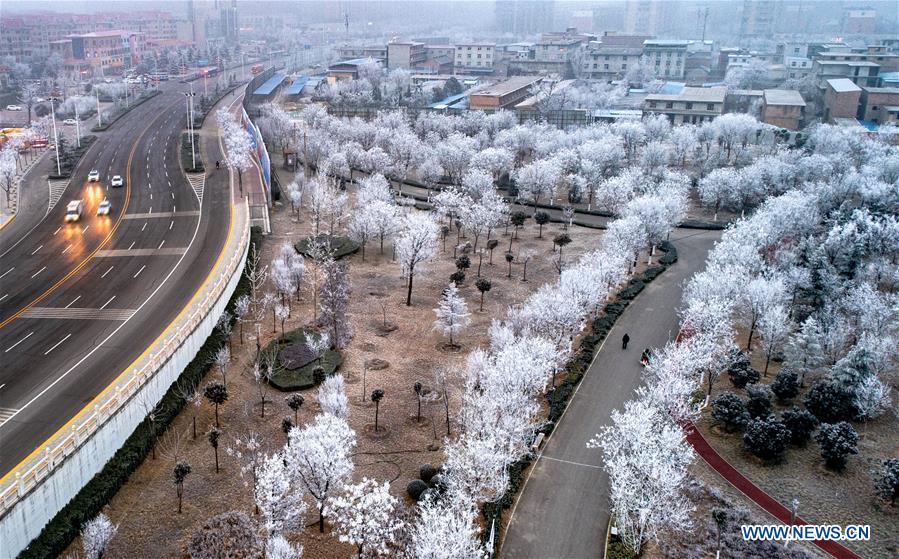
(575, 369)
(69, 159)
(138, 102)
(66, 525)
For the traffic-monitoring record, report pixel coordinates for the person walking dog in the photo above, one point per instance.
(624, 341)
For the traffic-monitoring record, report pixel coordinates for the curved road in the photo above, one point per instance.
(80, 301)
(562, 510)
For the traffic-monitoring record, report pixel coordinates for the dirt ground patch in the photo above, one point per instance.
(145, 508)
(825, 497)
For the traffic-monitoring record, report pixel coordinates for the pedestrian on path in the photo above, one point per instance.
(624, 341)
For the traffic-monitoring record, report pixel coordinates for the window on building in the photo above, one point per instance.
(710, 107)
(624, 66)
(689, 106)
(669, 105)
(652, 104)
(605, 66)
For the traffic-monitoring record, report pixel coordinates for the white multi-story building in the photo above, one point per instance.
(474, 57)
(666, 57)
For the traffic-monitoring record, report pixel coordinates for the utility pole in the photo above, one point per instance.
(99, 116)
(77, 126)
(55, 135)
(705, 19)
(189, 98)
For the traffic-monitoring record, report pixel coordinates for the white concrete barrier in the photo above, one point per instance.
(48, 480)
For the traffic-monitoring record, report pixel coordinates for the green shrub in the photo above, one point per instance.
(800, 423)
(730, 410)
(416, 489)
(837, 442)
(303, 377)
(87, 503)
(759, 402)
(830, 402)
(340, 246)
(617, 550)
(766, 438)
(785, 385)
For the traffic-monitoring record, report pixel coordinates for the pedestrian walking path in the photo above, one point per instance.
(562, 510)
(753, 492)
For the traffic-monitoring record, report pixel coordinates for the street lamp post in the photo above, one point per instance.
(189, 97)
(77, 126)
(55, 135)
(99, 116)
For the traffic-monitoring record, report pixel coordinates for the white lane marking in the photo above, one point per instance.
(107, 302)
(114, 332)
(10, 348)
(73, 302)
(160, 244)
(144, 227)
(7, 271)
(85, 228)
(151, 196)
(170, 184)
(58, 229)
(2, 385)
(132, 245)
(139, 271)
(38, 272)
(151, 210)
(107, 271)
(65, 250)
(171, 224)
(173, 195)
(4, 297)
(37, 249)
(59, 343)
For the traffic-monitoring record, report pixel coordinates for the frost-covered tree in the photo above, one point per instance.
(537, 180)
(278, 496)
(365, 515)
(416, 245)
(334, 300)
(319, 456)
(332, 396)
(238, 145)
(96, 535)
(277, 547)
(445, 529)
(452, 313)
(647, 459)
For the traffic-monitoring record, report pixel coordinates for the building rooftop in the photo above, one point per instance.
(893, 90)
(788, 97)
(355, 62)
(508, 86)
(666, 43)
(846, 63)
(614, 49)
(843, 85)
(475, 44)
(697, 94)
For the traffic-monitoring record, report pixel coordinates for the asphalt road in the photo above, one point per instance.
(563, 510)
(81, 301)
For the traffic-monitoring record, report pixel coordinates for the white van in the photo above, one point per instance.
(73, 210)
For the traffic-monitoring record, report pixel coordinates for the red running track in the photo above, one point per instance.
(762, 499)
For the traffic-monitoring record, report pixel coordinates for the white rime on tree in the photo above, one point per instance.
(277, 547)
(96, 535)
(416, 245)
(452, 314)
(319, 455)
(647, 458)
(334, 300)
(445, 529)
(365, 515)
(332, 396)
(278, 496)
(237, 145)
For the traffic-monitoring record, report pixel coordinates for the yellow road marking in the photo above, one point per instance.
(103, 243)
(109, 387)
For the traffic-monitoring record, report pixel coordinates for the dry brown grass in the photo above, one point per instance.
(145, 508)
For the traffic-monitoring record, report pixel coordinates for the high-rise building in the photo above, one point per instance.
(757, 19)
(524, 18)
(646, 17)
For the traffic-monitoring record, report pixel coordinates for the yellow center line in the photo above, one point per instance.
(103, 243)
(110, 386)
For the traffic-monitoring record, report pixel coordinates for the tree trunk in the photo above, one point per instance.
(216, 449)
(216, 415)
(180, 491)
(377, 408)
(409, 292)
(510, 269)
(524, 271)
(482, 302)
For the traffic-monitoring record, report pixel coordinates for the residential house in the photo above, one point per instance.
(841, 99)
(783, 108)
(690, 105)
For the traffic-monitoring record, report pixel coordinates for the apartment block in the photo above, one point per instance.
(859, 22)
(603, 62)
(879, 104)
(690, 105)
(667, 57)
(474, 57)
(796, 67)
(858, 72)
(405, 54)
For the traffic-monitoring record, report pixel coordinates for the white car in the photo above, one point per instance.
(73, 210)
(14, 107)
(69, 122)
(104, 207)
(117, 181)
(93, 176)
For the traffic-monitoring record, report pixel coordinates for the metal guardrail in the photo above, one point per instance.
(88, 421)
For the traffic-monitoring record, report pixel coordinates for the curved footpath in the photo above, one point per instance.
(562, 510)
(752, 491)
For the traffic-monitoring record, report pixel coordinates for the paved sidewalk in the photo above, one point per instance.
(753, 492)
(563, 510)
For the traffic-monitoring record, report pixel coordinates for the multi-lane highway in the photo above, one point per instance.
(80, 301)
